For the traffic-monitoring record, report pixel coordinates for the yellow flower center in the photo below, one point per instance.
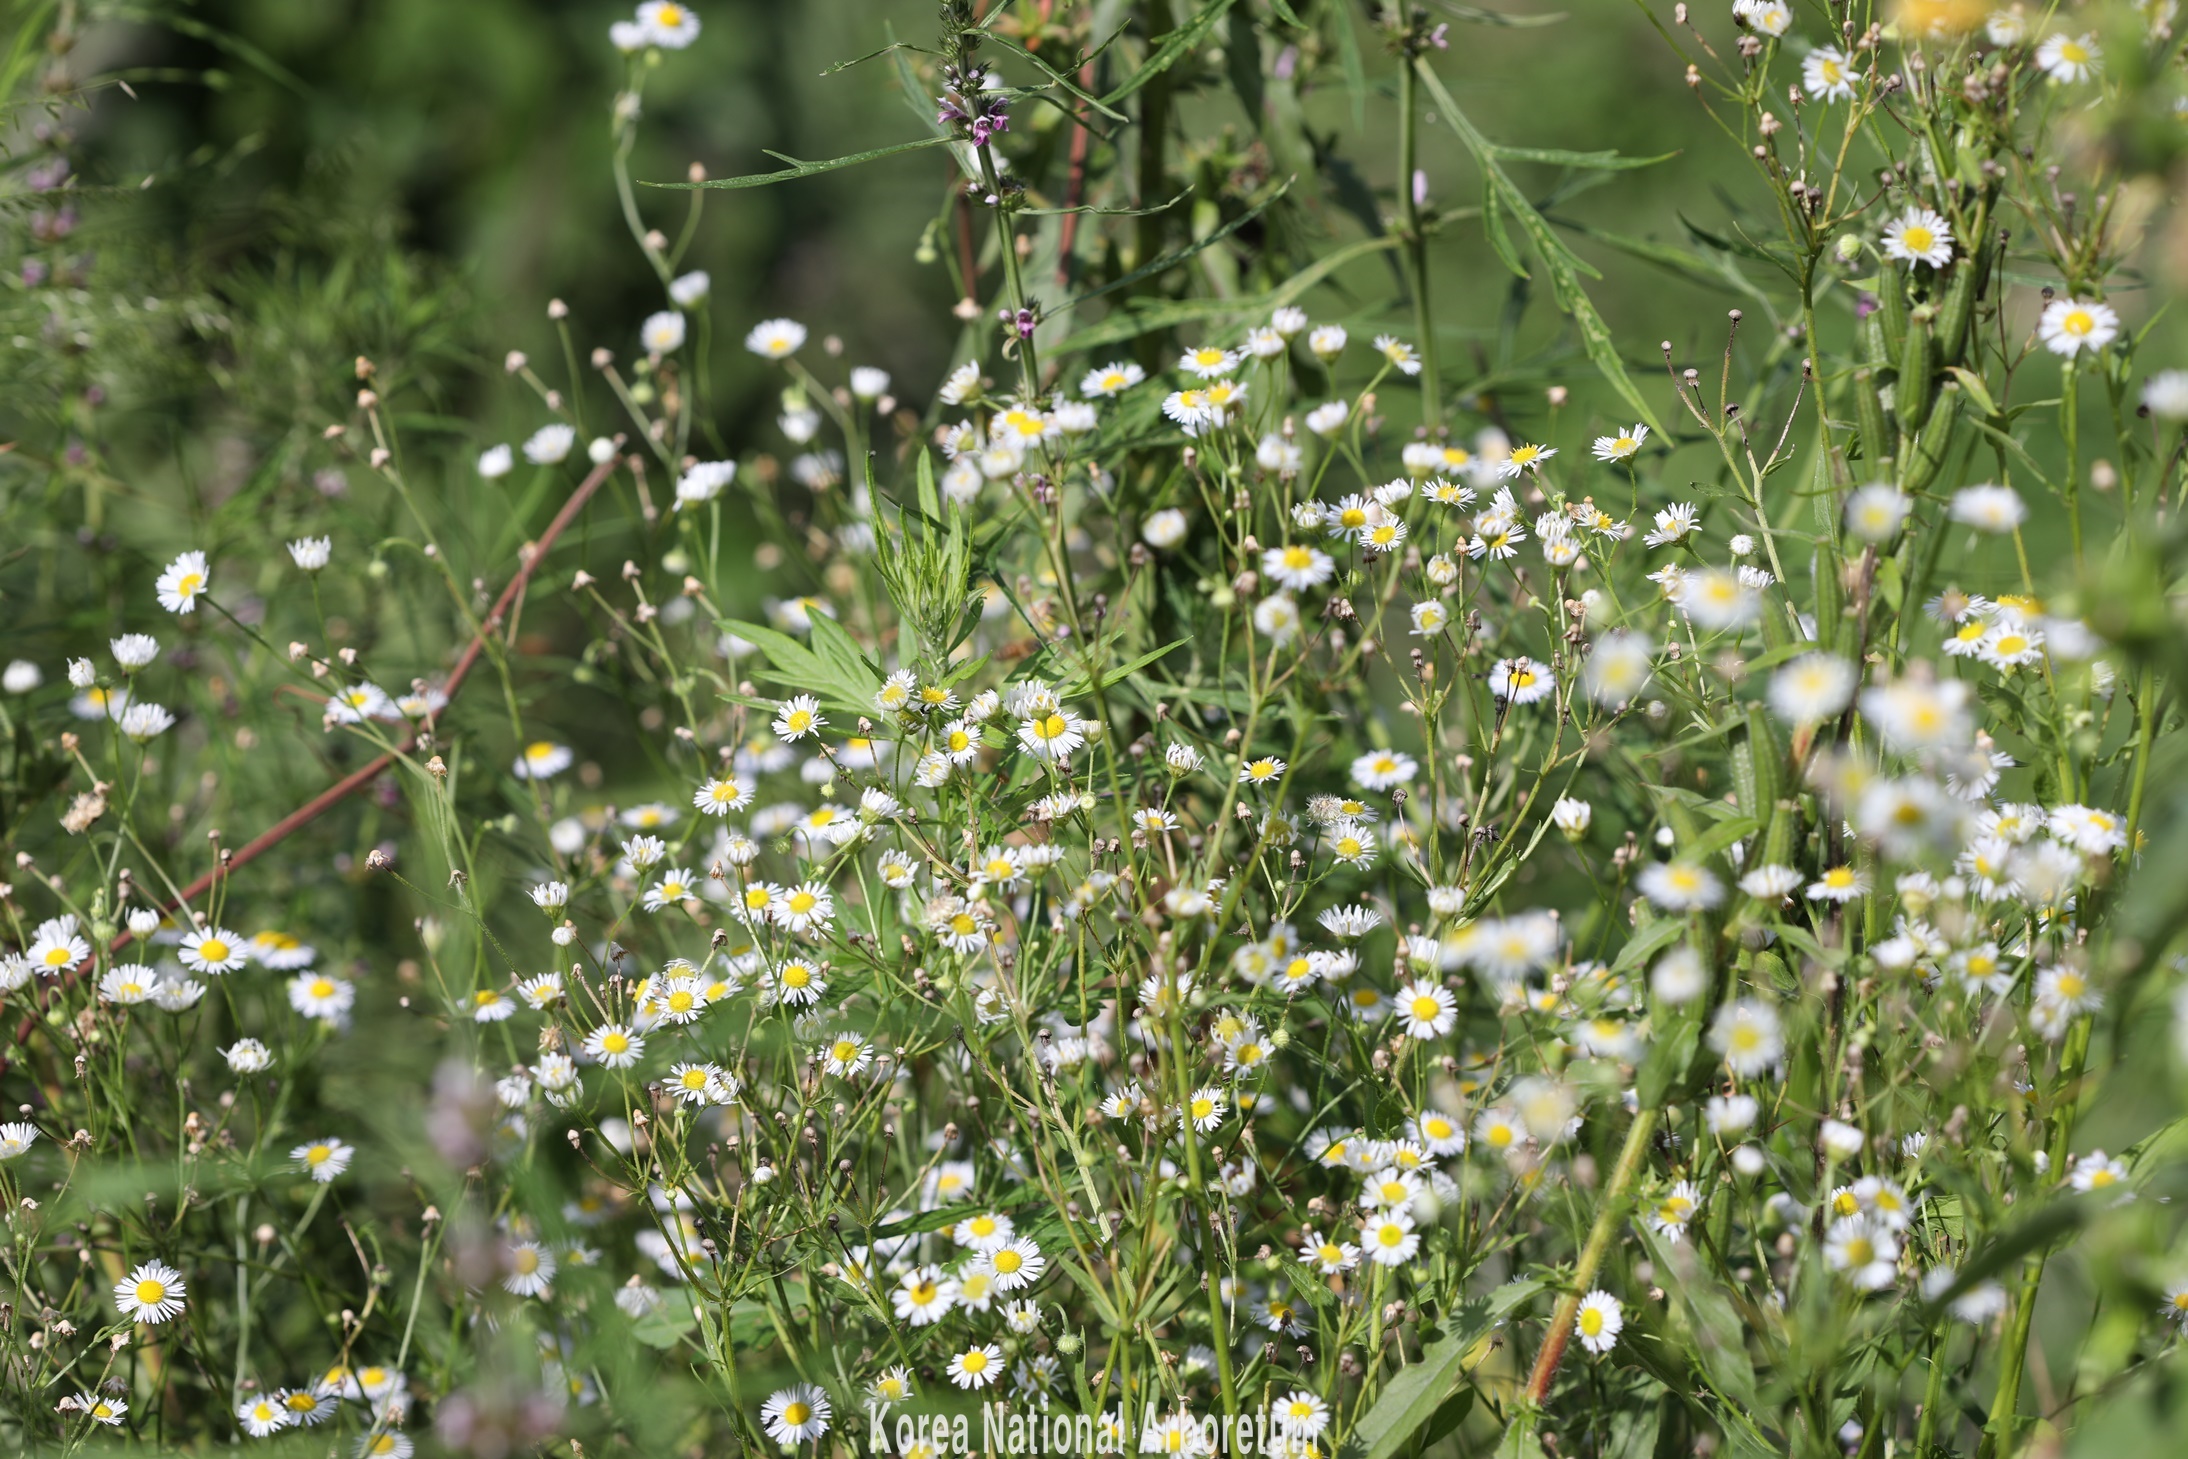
(1918, 239)
(151, 1293)
(213, 950)
(614, 1043)
(796, 1414)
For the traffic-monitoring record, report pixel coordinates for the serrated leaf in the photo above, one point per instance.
(1720, 1337)
(1411, 1398)
(1651, 939)
(1561, 263)
(1492, 223)
(665, 1324)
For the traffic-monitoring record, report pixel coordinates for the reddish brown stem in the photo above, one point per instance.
(1076, 188)
(358, 779)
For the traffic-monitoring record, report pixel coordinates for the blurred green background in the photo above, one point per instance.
(283, 138)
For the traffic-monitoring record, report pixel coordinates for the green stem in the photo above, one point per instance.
(2069, 422)
(1998, 1432)
(1416, 244)
(1607, 1218)
(2146, 717)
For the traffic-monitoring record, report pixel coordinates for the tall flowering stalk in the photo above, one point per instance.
(1198, 890)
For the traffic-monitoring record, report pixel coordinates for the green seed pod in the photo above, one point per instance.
(1762, 772)
(1869, 340)
(1970, 273)
(1830, 604)
(1917, 370)
(1879, 438)
(1891, 311)
(1926, 457)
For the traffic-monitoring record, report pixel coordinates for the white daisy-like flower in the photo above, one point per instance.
(1521, 680)
(1622, 447)
(1598, 1322)
(323, 1160)
(1208, 362)
(663, 332)
(2069, 326)
(778, 339)
(614, 1046)
(262, 1417)
(978, 1366)
(796, 1415)
(213, 950)
(542, 759)
(1428, 1009)
(1747, 1032)
(2069, 58)
(550, 444)
(183, 583)
(1111, 379)
(799, 717)
(1812, 688)
(1828, 74)
(1398, 353)
(669, 24)
(528, 1269)
(1389, 1238)
(1862, 1250)
(154, 1292)
(1918, 235)
(1524, 458)
(1994, 509)
(1874, 512)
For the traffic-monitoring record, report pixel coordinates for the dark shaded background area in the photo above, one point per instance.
(477, 136)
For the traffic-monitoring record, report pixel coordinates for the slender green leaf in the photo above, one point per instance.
(1171, 260)
(798, 169)
(1057, 77)
(1592, 161)
(1475, 15)
(1185, 38)
(1563, 266)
